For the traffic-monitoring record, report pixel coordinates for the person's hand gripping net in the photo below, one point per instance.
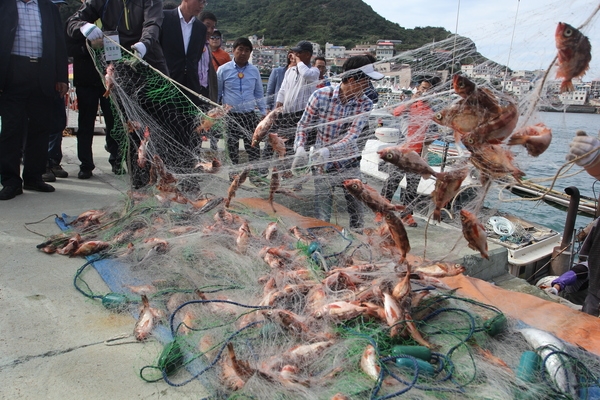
(583, 149)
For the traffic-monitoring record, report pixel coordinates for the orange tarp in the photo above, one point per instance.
(570, 325)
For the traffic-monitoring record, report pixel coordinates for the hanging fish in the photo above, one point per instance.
(574, 54)
(143, 149)
(370, 196)
(273, 188)
(398, 232)
(447, 186)
(535, 138)
(480, 97)
(235, 184)
(278, 145)
(210, 167)
(407, 160)
(211, 117)
(495, 161)
(474, 232)
(109, 79)
(264, 126)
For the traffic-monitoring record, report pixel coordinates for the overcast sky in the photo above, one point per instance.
(490, 23)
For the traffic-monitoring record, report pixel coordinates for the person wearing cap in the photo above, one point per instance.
(299, 82)
(219, 56)
(339, 114)
(33, 73)
(419, 123)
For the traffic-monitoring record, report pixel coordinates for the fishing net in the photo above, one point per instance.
(257, 299)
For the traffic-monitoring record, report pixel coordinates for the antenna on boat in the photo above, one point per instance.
(455, 36)
(511, 41)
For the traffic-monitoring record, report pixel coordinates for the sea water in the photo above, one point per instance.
(564, 126)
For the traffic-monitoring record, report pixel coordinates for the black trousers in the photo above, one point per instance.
(409, 196)
(241, 126)
(22, 103)
(88, 98)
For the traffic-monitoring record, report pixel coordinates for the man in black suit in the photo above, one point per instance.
(33, 69)
(182, 38)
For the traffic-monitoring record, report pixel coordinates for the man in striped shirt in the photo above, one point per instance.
(339, 115)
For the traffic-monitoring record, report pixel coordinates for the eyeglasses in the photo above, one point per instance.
(215, 37)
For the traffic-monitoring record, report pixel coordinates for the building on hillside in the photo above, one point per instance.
(578, 97)
(384, 50)
(332, 51)
(467, 70)
(595, 90)
(361, 49)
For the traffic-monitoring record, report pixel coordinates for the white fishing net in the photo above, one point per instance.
(256, 307)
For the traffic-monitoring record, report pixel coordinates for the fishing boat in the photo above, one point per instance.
(529, 245)
(587, 205)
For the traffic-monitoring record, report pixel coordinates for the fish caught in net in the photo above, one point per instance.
(255, 297)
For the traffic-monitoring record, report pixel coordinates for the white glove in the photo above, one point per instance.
(91, 32)
(320, 156)
(300, 159)
(551, 290)
(140, 49)
(582, 144)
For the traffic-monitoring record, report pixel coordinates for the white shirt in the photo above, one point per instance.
(186, 29)
(298, 84)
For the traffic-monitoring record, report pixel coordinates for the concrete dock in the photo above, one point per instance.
(57, 344)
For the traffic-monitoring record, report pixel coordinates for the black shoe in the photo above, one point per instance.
(59, 172)
(118, 170)
(48, 176)
(9, 192)
(38, 187)
(83, 174)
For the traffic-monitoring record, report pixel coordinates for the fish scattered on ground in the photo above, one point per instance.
(146, 321)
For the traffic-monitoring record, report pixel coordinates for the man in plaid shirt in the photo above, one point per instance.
(339, 113)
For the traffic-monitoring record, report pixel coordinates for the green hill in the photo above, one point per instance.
(341, 22)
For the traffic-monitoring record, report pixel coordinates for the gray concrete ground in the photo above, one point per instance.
(53, 340)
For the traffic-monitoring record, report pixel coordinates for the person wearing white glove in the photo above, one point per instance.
(138, 24)
(588, 148)
(91, 32)
(300, 159)
(320, 156)
(139, 48)
(338, 114)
